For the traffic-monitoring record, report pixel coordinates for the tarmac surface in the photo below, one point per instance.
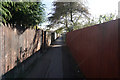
(57, 62)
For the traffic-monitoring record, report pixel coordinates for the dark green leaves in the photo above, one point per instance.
(22, 14)
(4, 12)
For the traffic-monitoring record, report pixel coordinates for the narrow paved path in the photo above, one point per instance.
(55, 63)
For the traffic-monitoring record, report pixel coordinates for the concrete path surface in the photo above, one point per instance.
(57, 62)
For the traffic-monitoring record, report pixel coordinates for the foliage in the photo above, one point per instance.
(106, 18)
(4, 12)
(68, 13)
(93, 21)
(60, 30)
(24, 14)
(27, 14)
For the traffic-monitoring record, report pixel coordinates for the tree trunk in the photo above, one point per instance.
(67, 24)
(71, 11)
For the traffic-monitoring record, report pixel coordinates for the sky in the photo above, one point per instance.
(96, 7)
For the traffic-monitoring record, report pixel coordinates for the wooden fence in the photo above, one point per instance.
(14, 48)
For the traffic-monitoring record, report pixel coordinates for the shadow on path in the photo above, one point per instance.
(57, 62)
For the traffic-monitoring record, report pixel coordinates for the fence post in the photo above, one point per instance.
(119, 33)
(0, 52)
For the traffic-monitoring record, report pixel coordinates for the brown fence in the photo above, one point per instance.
(15, 48)
(17, 51)
(95, 49)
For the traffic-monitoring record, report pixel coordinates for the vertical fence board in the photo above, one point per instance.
(1, 50)
(15, 48)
